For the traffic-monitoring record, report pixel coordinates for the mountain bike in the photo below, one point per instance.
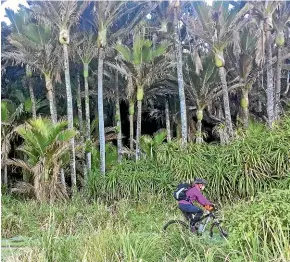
(210, 219)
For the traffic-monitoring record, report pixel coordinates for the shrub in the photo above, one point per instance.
(261, 224)
(130, 180)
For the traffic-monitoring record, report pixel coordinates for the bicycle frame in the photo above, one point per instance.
(209, 216)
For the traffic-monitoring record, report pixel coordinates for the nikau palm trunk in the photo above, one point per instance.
(62, 177)
(131, 120)
(79, 101)
(245, 106)
(226, 101)
(31, 92)
(101, 112)
(270, 85)
(278, 84)
(87, 110)
(178, 49)
(167, 119)
(140, 95)
(5, 177)
(32, 97)
(118, 119)
(69, 113)
(50, 97)
(199, 115)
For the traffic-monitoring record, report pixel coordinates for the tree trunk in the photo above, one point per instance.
(70, 114)
(138, 130)
(270, 86)
(140, 96)
(79, 101)
(178, 49)
(245, 106)
(118, 119)
(287, 83)
(131, 120)
(62, 177)
(101, 112)
(278, 84)
(226, 101)
(88, 118)
(167, 119)
(199, 115)
(199, 139)
(5, 176)
(32, 97)
(54, 101)
(48, 85)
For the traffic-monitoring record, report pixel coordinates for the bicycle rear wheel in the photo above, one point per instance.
(176, 222)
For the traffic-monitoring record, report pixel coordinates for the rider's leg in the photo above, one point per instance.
(192, 210)
(198, 214)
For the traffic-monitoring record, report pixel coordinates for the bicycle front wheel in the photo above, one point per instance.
(223, 233)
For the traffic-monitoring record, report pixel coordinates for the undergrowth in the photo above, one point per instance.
(125, 230)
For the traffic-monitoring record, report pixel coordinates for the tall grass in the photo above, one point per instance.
(129, 231)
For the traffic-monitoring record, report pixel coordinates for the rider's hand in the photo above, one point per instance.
(209, 208)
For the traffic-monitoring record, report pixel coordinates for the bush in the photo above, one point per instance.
(256, 162)
(130, 180)
(261, 225)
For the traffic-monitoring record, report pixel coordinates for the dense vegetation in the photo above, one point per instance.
(127, 230)
(106, 106)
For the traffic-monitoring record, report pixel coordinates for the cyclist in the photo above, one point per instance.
(194, 194)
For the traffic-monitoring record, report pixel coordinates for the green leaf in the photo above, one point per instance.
(28, 105)
(159, 137)
(4, 112)
(66, 135)
(125, 52)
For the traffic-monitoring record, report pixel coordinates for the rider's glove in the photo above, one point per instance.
(209, 208)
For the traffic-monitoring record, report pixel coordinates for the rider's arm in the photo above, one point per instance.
(202, 200)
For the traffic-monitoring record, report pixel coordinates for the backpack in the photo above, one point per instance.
(180, 192)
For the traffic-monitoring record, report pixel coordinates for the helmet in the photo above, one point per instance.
(200, 181)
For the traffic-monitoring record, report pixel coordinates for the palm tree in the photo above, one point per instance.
(86, 51)
(118, 118)
(178, 48)
(9, 114)
(46, 145)
(201, 85)
(33, 45)
(168, 16)
(263, 12)
(281, 18)
(216, 26)
(37, 48)
(143, 62)
(63, 15)
(107, 13)
(243, 62)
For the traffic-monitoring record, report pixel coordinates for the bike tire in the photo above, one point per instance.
(179, 222)
(222, 232)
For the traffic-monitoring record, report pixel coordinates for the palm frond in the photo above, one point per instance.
(125, 52)
(19, 163)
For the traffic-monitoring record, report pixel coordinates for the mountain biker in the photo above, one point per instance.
(194, 194)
